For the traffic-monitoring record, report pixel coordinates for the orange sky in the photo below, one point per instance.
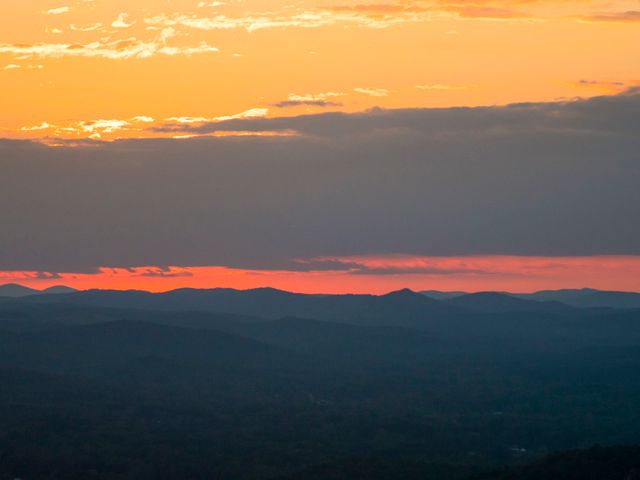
(479, 273)
(113, 68)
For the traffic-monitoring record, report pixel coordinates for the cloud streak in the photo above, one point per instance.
(117, 50)
(57, 11)
(314, 100)
(630, 16)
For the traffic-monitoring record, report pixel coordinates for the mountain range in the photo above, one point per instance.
(580, 298)
(403, 307)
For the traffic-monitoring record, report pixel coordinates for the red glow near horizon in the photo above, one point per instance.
(368, 274)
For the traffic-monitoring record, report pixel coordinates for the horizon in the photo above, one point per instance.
(417, 291)
(369, 275)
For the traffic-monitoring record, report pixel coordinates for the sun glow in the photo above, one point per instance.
(366, 274)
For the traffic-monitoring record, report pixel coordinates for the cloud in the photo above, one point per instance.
(121, 21)
(394, 265)
(630, 16)
(372, 92)
(94, 129)
(57, 11)
(42, 126)
(310, 103)
(47, 276)
(604, 86)
(86, 28)
(437, 123)
(298, 18)
(251, 113)
(101, 128)
(317, 100)
(143, 118)
(211, 4)
(412, 11)
(130, 48)
(589, 83)
(163, 272)
(530, 179)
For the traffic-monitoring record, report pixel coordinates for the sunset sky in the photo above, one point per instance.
(320, 145)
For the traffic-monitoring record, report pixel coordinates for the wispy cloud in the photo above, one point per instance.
(57, 11)
(121, 21)
(629, 16)
(316, 99)
(251, 113)
(13, 66)
(143, 118)
(86, 28)
(163, 272)
(602, 86)
(211, 4)
(372, 92)
(93, 129)
(398, 265)
(102, 129)
(382, 17)
(42, 126)
(114, 50)
(486, 12)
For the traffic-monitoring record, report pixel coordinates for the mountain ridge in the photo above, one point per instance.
(15, 290)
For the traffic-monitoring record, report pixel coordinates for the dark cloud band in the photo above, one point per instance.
(527, 179)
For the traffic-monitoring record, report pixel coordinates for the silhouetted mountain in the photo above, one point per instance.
(562, 295)
(57, 289)
(17, 291)
(397, 308)
(466, 331)
(490, 302)
(587, 298)
(440, 295)
(580, 298)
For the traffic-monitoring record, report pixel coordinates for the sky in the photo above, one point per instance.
(320, 145)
